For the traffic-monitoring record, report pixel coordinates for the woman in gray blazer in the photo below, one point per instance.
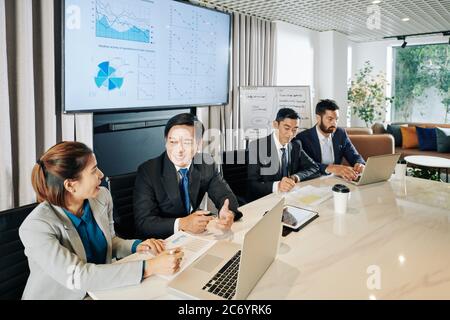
(69, 237)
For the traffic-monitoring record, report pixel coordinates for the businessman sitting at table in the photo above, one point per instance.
(169, 189)
(276, 162)
(327, 144)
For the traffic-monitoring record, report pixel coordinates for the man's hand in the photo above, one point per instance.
(196, 222)
(226, 216)
(359, 167)
(286, 184)
(343, 171)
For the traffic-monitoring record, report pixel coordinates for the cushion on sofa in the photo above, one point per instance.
(409, 137)
(427, 138)
(396, 133)
(379, 128)
(443, 139)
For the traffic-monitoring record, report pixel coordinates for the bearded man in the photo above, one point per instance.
(328, 145)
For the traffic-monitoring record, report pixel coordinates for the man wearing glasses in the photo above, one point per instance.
(169, 189)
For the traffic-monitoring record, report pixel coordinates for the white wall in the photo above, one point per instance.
(317, 59)
(296, 62)
(333, 70)
(326, 68)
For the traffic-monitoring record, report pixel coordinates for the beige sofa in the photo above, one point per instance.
(369, 144)
(379, 128)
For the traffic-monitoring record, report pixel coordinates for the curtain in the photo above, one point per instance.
(252, 64)
(30, 119)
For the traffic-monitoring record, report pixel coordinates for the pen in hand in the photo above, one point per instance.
(174, 250)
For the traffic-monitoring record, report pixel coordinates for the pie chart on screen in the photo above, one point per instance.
(107, 78)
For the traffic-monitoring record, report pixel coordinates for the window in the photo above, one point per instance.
(421, 84)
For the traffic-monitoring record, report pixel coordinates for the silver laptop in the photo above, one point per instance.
(378, 168)
(227, 271)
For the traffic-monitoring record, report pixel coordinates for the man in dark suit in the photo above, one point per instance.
(169, 188)
(276, 163)
(328, 145)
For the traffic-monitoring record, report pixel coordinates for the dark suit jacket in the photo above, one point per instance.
(342, 147)
(264, 166)
(157, 200)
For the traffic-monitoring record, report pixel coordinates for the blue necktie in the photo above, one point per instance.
(284, 164)
(184, 189)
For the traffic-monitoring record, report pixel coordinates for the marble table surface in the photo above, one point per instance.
(393, 243)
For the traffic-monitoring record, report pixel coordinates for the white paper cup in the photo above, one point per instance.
(341, 193)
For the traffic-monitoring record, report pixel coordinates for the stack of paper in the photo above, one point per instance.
(192, 246)
(309, 195)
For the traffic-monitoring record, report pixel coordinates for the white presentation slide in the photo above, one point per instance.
(144, 53)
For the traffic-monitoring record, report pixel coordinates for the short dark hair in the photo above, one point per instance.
(183, 119)
(284, 113)
(324, 105)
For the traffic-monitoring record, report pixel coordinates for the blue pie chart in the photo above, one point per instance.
(106, 77)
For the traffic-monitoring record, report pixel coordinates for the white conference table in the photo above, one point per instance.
(393, 243)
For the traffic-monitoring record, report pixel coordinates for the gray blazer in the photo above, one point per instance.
(56, 256)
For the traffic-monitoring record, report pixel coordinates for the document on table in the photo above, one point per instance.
(192, 246)
(309, 195)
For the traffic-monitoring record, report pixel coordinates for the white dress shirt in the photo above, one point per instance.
(326, 147)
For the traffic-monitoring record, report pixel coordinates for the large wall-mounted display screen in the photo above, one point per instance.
(143, 54)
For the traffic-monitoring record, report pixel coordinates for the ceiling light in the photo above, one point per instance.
(404, 40)
(376, 1)
(405, 19)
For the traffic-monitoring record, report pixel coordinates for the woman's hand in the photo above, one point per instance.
(156, 246)
(166, 263)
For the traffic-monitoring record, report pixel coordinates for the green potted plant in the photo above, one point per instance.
(367, 95)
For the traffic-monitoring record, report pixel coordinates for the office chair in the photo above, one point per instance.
(234, 171)
(13, 262)
(121, 188)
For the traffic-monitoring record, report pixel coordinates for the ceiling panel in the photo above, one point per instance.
(349, 16)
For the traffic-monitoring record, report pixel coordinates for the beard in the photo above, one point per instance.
(325, 129)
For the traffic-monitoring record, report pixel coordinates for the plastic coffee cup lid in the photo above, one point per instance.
(341, 188)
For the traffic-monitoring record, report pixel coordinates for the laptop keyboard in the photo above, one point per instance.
(224, 281)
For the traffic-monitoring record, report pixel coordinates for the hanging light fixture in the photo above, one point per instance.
(404, 41)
